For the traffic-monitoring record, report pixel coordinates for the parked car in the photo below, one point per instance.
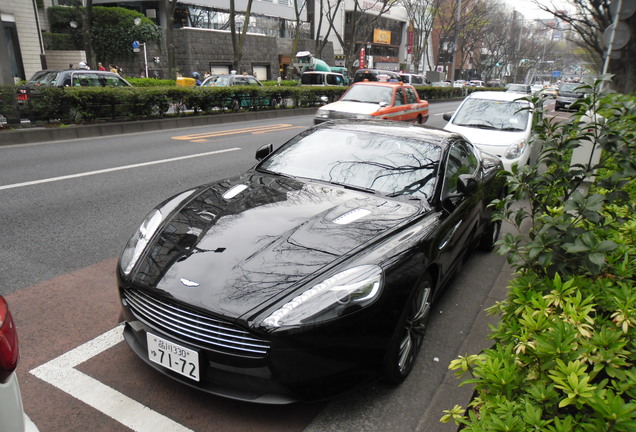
(68, 78)
(230, 80)
(499, 123)
(460, 83)
(313, 272)
(375, 75)
(441, 84)
(376, 100)
(12, 416)
(414, 79)
(535, 89)
(477, 83)
(519, 88)
(238, 100)
(567, 95)
(319, 78)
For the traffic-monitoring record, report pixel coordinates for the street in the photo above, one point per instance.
(68, 210)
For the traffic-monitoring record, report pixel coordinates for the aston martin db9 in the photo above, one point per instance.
(312, 273)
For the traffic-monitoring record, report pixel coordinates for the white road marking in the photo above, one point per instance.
(61, 373)
(120, 168)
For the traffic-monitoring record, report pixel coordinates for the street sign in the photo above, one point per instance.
(135, 45)
(556, 74)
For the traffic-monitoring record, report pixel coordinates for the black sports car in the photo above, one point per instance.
(313, 272)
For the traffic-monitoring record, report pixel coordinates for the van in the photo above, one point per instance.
(373, 74)
(414, 79)
(319, 78)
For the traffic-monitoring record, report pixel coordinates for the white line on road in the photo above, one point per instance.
(120, 168)
(61, 373)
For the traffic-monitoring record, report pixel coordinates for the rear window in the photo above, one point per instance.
(44, 78)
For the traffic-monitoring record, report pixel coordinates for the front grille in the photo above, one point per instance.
(189, 325)
(336, 115)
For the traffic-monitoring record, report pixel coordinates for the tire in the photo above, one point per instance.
(409, 334)
(419, 120)
(236, 105)
(557, 107)
(490, 236)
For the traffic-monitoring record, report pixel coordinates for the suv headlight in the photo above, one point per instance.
(342, 293)
(515, 150)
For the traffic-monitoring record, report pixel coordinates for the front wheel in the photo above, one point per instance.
(408, 337)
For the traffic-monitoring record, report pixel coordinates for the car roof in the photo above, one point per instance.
(496, 95)
(383, 83)
(418, 132)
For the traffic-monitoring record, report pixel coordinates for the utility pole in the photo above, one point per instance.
(459, 16)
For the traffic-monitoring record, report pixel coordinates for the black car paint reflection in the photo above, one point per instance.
(318, 265)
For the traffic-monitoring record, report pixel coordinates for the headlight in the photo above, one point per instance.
(346, 291)
(515, 150)
(322, 114)
(139, 241)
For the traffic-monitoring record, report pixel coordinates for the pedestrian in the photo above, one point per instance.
(195, 75)
(83, 65)
(100, 67)
(206, 74)
(112, 68)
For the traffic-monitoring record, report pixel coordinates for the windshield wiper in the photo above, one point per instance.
(476, 125)
(512, 129)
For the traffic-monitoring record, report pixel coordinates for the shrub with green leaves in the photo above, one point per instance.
(563, 358)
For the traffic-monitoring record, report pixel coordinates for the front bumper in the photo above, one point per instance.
(312, 365)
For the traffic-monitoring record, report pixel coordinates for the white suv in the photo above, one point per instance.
(12, 416)
(499, 123)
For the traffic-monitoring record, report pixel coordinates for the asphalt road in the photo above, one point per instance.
(67, 210)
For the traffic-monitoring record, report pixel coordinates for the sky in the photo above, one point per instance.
(530, 10)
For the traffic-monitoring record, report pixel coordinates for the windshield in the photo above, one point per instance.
(368, 94)
(386, 164)
(44, 78)
(492, 114)
(571, 87)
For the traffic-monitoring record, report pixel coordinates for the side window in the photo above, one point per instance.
(461, 160)
(410, 96)
(252, 81)
(331, 79)
(399, 97)
(240, 81)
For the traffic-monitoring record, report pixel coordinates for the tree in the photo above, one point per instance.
(359, 24)
(239, 40)
(588, 20)
(422, 14)
(171, 6)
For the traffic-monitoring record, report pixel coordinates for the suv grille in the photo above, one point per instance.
(191, 326)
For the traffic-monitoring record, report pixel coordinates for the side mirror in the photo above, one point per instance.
(447, 116)
(264, 151)
(466, 184)
(383, 104)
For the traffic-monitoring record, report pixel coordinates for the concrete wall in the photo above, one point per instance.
(23, 12)
(62, 59)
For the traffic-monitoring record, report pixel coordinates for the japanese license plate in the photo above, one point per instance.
(173, 356)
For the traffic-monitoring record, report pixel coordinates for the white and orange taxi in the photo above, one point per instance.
(377, 100)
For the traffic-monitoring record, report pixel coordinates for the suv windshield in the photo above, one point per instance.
(493, 114)
(570, 87)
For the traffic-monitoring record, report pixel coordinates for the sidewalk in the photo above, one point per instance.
(43, 134)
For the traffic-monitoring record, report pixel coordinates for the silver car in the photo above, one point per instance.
(12, 416)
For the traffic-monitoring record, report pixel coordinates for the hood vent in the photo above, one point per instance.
(234, 191)
(351, 216)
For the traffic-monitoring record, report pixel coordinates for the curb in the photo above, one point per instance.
(41, 134)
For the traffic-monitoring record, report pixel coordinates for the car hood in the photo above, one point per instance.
(487, 137)
(232, 255)
(352, 107)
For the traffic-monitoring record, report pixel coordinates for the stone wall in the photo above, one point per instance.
(62, 59)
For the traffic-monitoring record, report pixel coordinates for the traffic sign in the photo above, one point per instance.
(556, 74)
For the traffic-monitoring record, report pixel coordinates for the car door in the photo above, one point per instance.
(461, 211)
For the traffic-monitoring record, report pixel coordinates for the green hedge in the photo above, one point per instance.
(153, 98)
(563, 358)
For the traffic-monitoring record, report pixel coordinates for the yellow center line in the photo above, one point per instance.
(259, 129)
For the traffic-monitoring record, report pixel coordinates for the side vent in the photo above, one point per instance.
(234, 191)
(351, 216)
